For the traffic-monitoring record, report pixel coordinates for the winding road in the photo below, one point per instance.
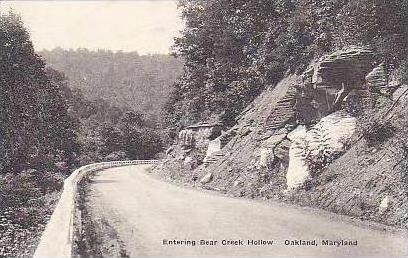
(146, 215)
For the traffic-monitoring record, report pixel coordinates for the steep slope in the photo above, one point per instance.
(308, 141)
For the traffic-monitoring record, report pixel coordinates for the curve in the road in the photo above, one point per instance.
(146, 212)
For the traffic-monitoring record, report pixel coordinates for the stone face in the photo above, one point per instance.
(266, 152)
(190, 163)
(213, 147)
(274, 140)
(377, 80)
(207, 178)
(329, 136)
(266, 158)
(384, 205)
(355, 63)
(328, 82)
(199, 135)
(281, 150)
(298, 171)
(284, 113)
(186, 138)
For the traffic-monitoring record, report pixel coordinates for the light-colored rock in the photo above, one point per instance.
(169, 150)
(377, 79)
(237, 183)
(266, 152)
(186, 137)
(298, 171)
(329, 134)
(213, 147)
(207, 178)
(202, 133)
(266, 158)
(190, 162)
(384, 205)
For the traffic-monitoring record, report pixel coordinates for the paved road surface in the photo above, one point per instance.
(144, 211)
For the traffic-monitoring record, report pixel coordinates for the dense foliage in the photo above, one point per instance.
(35, 128)
(48, 127)
(234, 49)
(126, 80)
(107, 132)
(38, 139)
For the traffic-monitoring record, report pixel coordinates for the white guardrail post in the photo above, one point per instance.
(57, 239)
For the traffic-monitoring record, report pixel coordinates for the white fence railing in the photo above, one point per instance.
(57, 239)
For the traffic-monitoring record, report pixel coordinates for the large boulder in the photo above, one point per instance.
(190, 163)
(186, 138)
(207, 178)
(329, 81)
(266, 151)
(317, 146)
(345, 67)
(377, 80)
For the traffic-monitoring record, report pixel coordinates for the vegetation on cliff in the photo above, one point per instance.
(234, 49)
(271, 71)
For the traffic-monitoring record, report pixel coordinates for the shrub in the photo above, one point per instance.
(116, 156)
(49, 182)
(18, 189)
(376, 131)
(403, 72)
(316, 157)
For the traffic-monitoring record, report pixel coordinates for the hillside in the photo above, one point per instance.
(38, 140)
(314, 114)
(125, 80)
(233, 50)
(48, 129)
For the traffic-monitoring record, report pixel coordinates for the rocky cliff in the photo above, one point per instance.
(331, 137)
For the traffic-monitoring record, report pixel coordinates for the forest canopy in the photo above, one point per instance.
(141, 83)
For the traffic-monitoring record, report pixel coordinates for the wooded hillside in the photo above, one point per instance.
(126, 80)
(234, 49)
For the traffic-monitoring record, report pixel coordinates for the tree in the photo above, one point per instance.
(235, 49)
(35, 128)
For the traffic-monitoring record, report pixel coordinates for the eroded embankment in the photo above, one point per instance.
(331, 138)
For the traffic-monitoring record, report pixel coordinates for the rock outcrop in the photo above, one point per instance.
(207, 178)
(377, 80)
(329, 82)
(199, 135)
(317, 146)
(284, 112)
(296, 142)
(186, 138)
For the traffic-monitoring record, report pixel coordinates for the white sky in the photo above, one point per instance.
(142, 26)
